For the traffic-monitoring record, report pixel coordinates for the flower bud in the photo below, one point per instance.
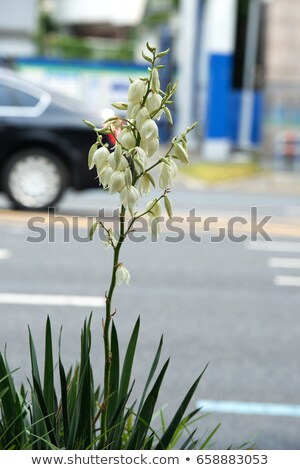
(136, 91)
(168, 207)
(155, 83)
(117, 154)
(122, 275)
(128, 177)
(120, 105)
(181, 153)
(117, 182)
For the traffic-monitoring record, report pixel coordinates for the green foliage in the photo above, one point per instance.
(41, 421)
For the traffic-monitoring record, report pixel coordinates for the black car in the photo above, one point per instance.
(43, 143)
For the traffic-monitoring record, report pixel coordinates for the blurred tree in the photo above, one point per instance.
(159, 11)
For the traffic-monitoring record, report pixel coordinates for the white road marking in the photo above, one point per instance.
(285, 263)
(292, 247)
(5, 254)
(289, 281)
(58, 300)
(249, 408)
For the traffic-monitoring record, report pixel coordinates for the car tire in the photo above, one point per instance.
(34, 179)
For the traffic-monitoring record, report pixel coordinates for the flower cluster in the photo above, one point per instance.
(127, 170)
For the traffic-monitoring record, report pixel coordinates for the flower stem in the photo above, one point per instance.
(107, 325)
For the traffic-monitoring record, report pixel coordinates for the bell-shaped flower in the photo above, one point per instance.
(149, 129)
(127, 139)
(129, 197)
(152, 145)
(133, 109)
(123, 163)
(105, 175)
(100, 158)
(141, 117)
(168, 173)
(122, 275)
(154, 208)
(112, 161)
(153, 103)
(136, 91)
(144, 184)
(117, 182)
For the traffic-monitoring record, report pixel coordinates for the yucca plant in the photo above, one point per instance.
(80, 414)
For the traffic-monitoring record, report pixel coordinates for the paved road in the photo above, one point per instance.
(234, 305)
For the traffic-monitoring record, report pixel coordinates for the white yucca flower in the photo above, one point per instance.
(155, 208)
(127, 139)
(122, 275)
(129, 197)
(144, 184)
(168, 173)
(153, 103)
(100, 158)
(105, 175)
(123, 163)
(136, 91)
(117, 182)
(133, 110)
(141, 117)
(149, 130)
(150, 146)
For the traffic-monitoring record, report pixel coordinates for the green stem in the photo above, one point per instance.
(106, 328)
(134, 219)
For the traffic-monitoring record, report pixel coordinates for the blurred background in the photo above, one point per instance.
(234, 60)
(232, 304)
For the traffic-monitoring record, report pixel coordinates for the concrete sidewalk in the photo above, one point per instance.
(270, 182)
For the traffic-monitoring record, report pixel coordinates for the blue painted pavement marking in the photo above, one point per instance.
(249, 408)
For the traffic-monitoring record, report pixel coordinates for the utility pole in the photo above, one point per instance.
(188, 48)
(249, 74)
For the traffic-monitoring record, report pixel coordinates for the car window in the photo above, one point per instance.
(6, 96)
(24, 99)
(10, 96)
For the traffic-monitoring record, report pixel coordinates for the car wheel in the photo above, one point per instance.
(34, 179)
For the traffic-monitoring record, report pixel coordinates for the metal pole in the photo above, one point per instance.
(249, 74)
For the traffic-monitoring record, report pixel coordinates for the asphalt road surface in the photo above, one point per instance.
(232, 304)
